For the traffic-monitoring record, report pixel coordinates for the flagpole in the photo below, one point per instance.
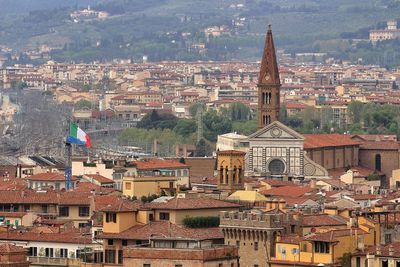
(68, 161)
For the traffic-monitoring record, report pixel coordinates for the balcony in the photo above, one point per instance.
(45, 261)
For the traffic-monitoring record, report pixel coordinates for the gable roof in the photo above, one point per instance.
(323, 220)
(191, 203)
(166, 229)
(280, 125)
(288, 191)
(328, 140)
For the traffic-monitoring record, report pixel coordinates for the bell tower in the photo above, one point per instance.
(268, 84)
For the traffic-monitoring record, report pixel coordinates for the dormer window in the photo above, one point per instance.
(111, 217)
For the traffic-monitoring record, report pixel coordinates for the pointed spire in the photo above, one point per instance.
(269, 73)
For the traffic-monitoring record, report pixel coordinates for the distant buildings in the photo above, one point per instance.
(391, 32)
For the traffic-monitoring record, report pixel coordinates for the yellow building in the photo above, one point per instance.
(326, 247)
(230, 168)
(139, 186)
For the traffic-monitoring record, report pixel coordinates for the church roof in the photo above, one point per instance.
(328, 140)
(280, 125)
(269, 73)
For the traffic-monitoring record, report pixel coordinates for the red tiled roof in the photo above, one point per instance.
(9, 248)
(49, 176)
(12, 214)
(191, 203)
(99, 178)
(56, 237)
(331, 236)
(89, 187)
(165, 229)
(328, 140)
(288, 191)
(380, 145)
(364, 171)
(158, 164)
(323, 220)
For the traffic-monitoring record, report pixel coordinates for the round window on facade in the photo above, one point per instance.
(276, 166)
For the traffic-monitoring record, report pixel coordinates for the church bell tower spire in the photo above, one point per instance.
(268, 84)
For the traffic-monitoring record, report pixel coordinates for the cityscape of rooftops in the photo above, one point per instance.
(187, 133)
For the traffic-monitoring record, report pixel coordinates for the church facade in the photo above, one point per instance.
(275, 150)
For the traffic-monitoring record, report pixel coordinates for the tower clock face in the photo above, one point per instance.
(267, 76)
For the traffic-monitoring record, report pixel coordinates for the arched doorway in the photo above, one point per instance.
(378, 162)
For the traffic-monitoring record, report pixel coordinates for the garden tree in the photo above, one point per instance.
(201, 148)
(144, 138)
(83, 104)
(215, 124)
(355, 110)
(194, 108)
(283, 116)
(185, 127)
(154, 120)
(239, 112)
(245, 127)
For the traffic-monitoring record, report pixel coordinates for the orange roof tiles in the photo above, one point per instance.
(56, 237)
(323, 220)
(48, 176)
(165, 229)
(191, 203)
(158, 164)
(288, 191)
(99, 178)
(328, 140)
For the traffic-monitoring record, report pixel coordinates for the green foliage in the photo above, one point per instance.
(195, 107)
(345, 260)
(201, 222)
(144, 138)
(245, 127)
(83, 104)
(239, 112)
(373, 177)
(201, 148)
(185, 127)
(215, 124)
(158, 121)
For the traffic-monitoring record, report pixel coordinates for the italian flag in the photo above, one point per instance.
(78, 136)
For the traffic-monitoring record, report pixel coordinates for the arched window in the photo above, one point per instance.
(269, 98)
(221, 175)
(234, 175)
(226, 175)
(378, 163)
(240, 175)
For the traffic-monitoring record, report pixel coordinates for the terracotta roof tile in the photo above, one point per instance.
(323, 220)
(166, 229)
(57, 237)
(328, 140)
(99, 178)
(192, 203)
(49, 176)
(158, 164)
(289, 191)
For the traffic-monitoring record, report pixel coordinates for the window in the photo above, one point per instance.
(388, 238)
(255, 246)
(63, 211)
(124, 242)
(16, 222)
(120, 257)
(358, 262)
(146, 265)
(27, 207)
(110, 256)
(83, 211)
(33, 251)
(178, 265)
(276, 166)
(110, 242)
(164, 216)
(63, 253)
(238, 243)
(49, 252)
(111, 217)
(151, 217)
(44, 208)
(321, 247)
(128, 186)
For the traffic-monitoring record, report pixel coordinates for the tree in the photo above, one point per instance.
(201, 148)
(185, 127)
(154, 120)
(355, 109)
(83, 104)
(239, 112)
(215, 125)
(194, 108)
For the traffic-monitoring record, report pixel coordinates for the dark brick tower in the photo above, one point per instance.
(268, 84)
